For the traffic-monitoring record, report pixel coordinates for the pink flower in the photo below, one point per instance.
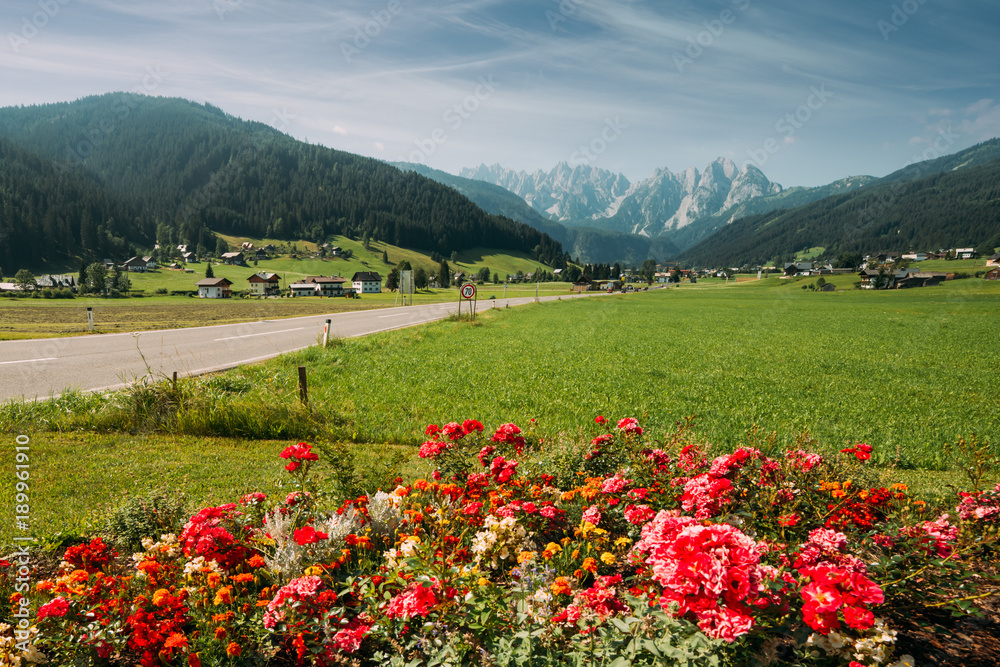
(630, 425)
(415, 600)
(472, 509)
(549, 512)
(529, 507)
(592, 515)
(822, 597)
(615, 484)
(432, 448)
(57, 607)
(297, 590)
(453, 430)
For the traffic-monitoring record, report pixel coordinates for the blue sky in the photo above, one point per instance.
(810, 92)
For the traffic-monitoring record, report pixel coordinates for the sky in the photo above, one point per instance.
(808, 92)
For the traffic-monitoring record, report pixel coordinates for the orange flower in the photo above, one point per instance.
(223, 618)
(175, 640)
(194, 660)
(590, 565)
(220, 633)
(224, 596)
(214, 578)
(160, 597)
(256, 561)
(561, 586)
(233, 650)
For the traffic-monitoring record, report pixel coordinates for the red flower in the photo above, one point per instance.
(600, 419)
(630, 425)
(308, 535)
(470, 425)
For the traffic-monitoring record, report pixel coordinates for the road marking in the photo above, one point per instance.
(27, 361)
(382, 317)
(265, 333)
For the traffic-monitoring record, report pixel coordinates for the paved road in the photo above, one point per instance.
(46, 367)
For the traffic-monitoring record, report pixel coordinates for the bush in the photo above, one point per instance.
(158, 512)
(162, 290)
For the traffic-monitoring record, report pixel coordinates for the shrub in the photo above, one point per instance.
(158, 512)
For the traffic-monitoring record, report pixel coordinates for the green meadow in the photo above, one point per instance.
(910, 372)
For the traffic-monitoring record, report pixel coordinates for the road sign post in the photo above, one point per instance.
(90, 318)
(468, 292)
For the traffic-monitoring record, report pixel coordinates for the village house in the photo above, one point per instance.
(326, 285)
(189, 257)
(150, 262)
(798, 269)
(214, 288)
(264, 284)
(582, 285)
(915, 256)
(965, 253)
(992, 274)
(367, 282)
(993, 260)
(135, 264)
(233, 258)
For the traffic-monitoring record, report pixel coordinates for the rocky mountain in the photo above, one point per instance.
(564, 194)
(588, 244)
(659, 205)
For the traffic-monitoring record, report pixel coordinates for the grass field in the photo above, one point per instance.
(909, 372)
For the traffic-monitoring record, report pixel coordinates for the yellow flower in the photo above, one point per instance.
(575, 554)
(553, 547)
(622, 542)
(526, 556)
(314, 571)
(483, 581)
(608, 558)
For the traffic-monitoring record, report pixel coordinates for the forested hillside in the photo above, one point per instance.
(177, 165)
(46, 215)
(944, 210)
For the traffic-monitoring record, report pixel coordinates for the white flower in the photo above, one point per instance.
(905, 661)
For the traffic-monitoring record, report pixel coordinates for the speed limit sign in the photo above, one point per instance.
(468, 291)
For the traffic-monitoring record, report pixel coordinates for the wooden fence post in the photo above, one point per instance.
(303, 389)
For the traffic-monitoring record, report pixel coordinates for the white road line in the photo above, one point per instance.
(27, 361)
(382, 317)
(265, 333)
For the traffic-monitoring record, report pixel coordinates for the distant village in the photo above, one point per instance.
(885, 270)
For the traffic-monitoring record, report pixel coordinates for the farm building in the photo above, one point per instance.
(264, 284)
(367, 282)
(214, 288)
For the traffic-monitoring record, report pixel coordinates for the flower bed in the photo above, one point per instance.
(517, 551)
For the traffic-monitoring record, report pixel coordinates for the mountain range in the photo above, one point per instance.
(660, 205)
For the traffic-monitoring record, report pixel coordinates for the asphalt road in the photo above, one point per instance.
(45, 367)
